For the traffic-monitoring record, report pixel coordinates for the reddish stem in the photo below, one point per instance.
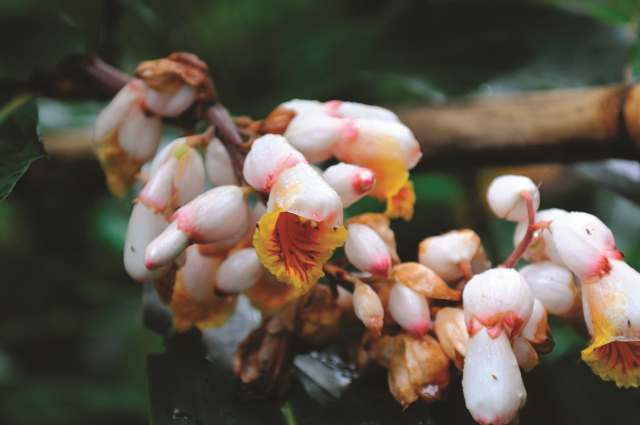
(528, 237)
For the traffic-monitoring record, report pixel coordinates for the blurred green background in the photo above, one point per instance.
(72, 346)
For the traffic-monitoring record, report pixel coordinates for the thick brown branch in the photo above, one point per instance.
(546, 126)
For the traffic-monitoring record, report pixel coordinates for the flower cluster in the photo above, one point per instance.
(269, 228)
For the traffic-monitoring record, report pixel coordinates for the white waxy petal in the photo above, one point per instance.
(368, 307)
(360, 110)
(584, 244)
(553, 285)
(491, 295)
(368, 130)
(139, 135)
(525, 353)
(269, 155)
(542, 246)
(491, 382)
(165, 248)
(301, 191)
(300, 105)
(170, 104)
(313, 133)
(537, 318)
(144, 226)
(114, 113)
(409, 309)
(366, 250)
(239, 271)
(444, 253)
(158, 191)
(198, 274)
(218, 164)
(189, 178)
(164, 154)
(349, 181)
(505, 199)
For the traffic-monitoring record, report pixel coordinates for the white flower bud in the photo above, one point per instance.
(360, 110)
(491, 382)
(115, 112)
(526, 355)
(370, 132)
(542, 246)
(313, 132)
(215, 215)
(144, 226)
(158, 190)
(409, 309)
(366, 250)
(498, 299)
(239, 271)
(189, 178)
(198, 274)
(443, 254)
(584, 244)
(170, 103)
(299, 105)
(537, 320)
(553, 285)
(368, 307)
(139, 134)
(349, 181)
(505, 199)
(302, 191)
(218, 164)
(269, 155)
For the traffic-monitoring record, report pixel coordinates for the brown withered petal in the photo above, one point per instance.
(543, 342)
(275, 123)
(452, 334)
(424, 281)
(427, 364)
(383, 289)
(368, 307)
(381, 224)
(314, 318)
(372, 351)
(171, 73)
(398, 377)
(119, 168)
(164, 285)
(263, 361)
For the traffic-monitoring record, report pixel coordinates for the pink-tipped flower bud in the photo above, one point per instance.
(215, 215)
(499, 300)
(239, 271)
(139, 134)
(366, 250)
(198, 274)
(218, 164)
(443, 254)
(541, 247)
(491, 382)
(410, 310)
(359, 110)
(144, 226)
(505, 198)
(349, 181)
(584, 244)
(314, 132)
(110, 118)
(554, 286)
(170, 103)
(269, 155)
(368, 307)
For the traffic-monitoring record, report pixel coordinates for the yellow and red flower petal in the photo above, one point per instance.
(294, 249)
(187, 312)
(617, 361)
(269, 294)
(401, 203)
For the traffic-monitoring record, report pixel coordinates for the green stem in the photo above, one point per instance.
(14, 104)
(287, 412)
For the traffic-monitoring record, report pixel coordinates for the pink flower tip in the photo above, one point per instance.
(419, 329)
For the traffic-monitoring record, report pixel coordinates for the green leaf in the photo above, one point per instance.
(20, 141)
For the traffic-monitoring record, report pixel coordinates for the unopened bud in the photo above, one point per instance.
(239, 271)
(409, 309)
(139, 134)
(542, 246)
(424, 281)
(216, 215)
(537, 330)
(381, 224)
(144, 226)
(313, 132)
(218, 164)
(367, 251)
(505, 198)
(170, 103)
(359, 110)
(198, 274)
(452, 334)
(553, 285)
(585, 245)
(269, 155)
(526, 355)
(349, 181)
(368, 307)
(443, 254)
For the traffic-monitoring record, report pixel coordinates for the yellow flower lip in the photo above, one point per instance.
(294, 249)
